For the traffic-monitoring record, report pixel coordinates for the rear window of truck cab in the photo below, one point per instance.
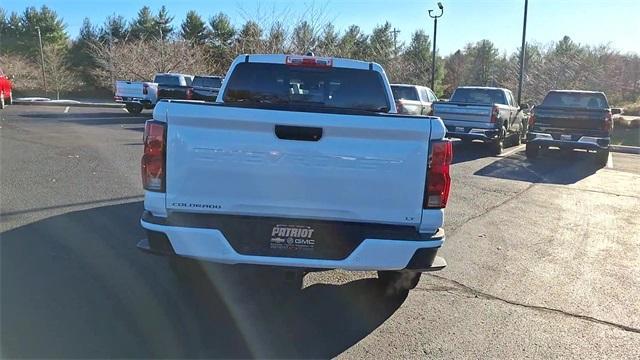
(479, 96)
(209, 82)
(576, 100)
(404, 92)
(285, 85)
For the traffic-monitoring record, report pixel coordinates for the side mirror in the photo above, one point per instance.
(524, 106)
(616, 111)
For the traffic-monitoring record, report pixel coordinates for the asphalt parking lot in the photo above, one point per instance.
(544, 262)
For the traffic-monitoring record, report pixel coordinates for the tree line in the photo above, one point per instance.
(137, 48)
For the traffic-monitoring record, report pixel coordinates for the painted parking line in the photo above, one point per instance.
(610, 161)
(511, 151)
(66, 110)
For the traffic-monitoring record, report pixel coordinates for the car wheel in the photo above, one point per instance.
(518, 138)
(497, 146)
(603, 157)
(532, 151)
(1, 100)
(134, 109)
(399, 282)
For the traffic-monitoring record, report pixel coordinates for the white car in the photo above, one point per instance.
(302, 164)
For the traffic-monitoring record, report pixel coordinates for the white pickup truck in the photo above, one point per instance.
(302, 164)
(139, 95)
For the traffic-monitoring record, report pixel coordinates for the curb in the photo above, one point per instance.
(70, 104)
(625, 149)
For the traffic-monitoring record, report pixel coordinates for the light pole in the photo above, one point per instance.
(44, 77)
(523, 51)
(435, 32)
(161, 49)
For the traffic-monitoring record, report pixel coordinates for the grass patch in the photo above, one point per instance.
(626, 136)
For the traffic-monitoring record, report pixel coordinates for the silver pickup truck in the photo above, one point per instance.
(483, 113)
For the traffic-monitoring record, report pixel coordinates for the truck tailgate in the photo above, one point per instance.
(569, 119)
(129, 89)
(229, 160)
(463, 112)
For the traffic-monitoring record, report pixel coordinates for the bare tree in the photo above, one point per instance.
(26, 74)
(60, 76)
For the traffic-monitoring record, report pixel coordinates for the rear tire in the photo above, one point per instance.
(497, 146)
(532, 151)
(518, 139)
(602, 157)
(399, 282)
(134, 109)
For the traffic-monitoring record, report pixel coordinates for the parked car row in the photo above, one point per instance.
(566, 119)
(140, 95)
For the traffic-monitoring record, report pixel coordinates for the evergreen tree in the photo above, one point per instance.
(144, 26)
(193, 28)
(114, 29)
(249, 37)
(162, 21)
(381, 44)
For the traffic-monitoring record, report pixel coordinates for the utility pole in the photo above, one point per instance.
(395, 33)
(161, 50)
(44, 77)
(523, 51)
(435, 33)
(112, 80)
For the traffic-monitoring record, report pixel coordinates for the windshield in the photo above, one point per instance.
(167, 80)
(479, 96)
(279, 84)
(576, 100)
(404, 92)
(209, 82)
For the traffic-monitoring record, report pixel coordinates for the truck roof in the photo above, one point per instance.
(578, 91)
(409, 85)
(173, 74)
(481, 87)
(282, 59)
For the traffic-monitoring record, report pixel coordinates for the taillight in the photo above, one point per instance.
(438, 183)
(153, 160)
(189, 93)
(607, 124)
(532, 119)
(145, 89)
(495, 112)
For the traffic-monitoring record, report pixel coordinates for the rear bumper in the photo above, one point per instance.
(417, 253)
(473, 134)
(577, 142)
(129, 100)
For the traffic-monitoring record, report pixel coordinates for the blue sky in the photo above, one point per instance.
(614, 22)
